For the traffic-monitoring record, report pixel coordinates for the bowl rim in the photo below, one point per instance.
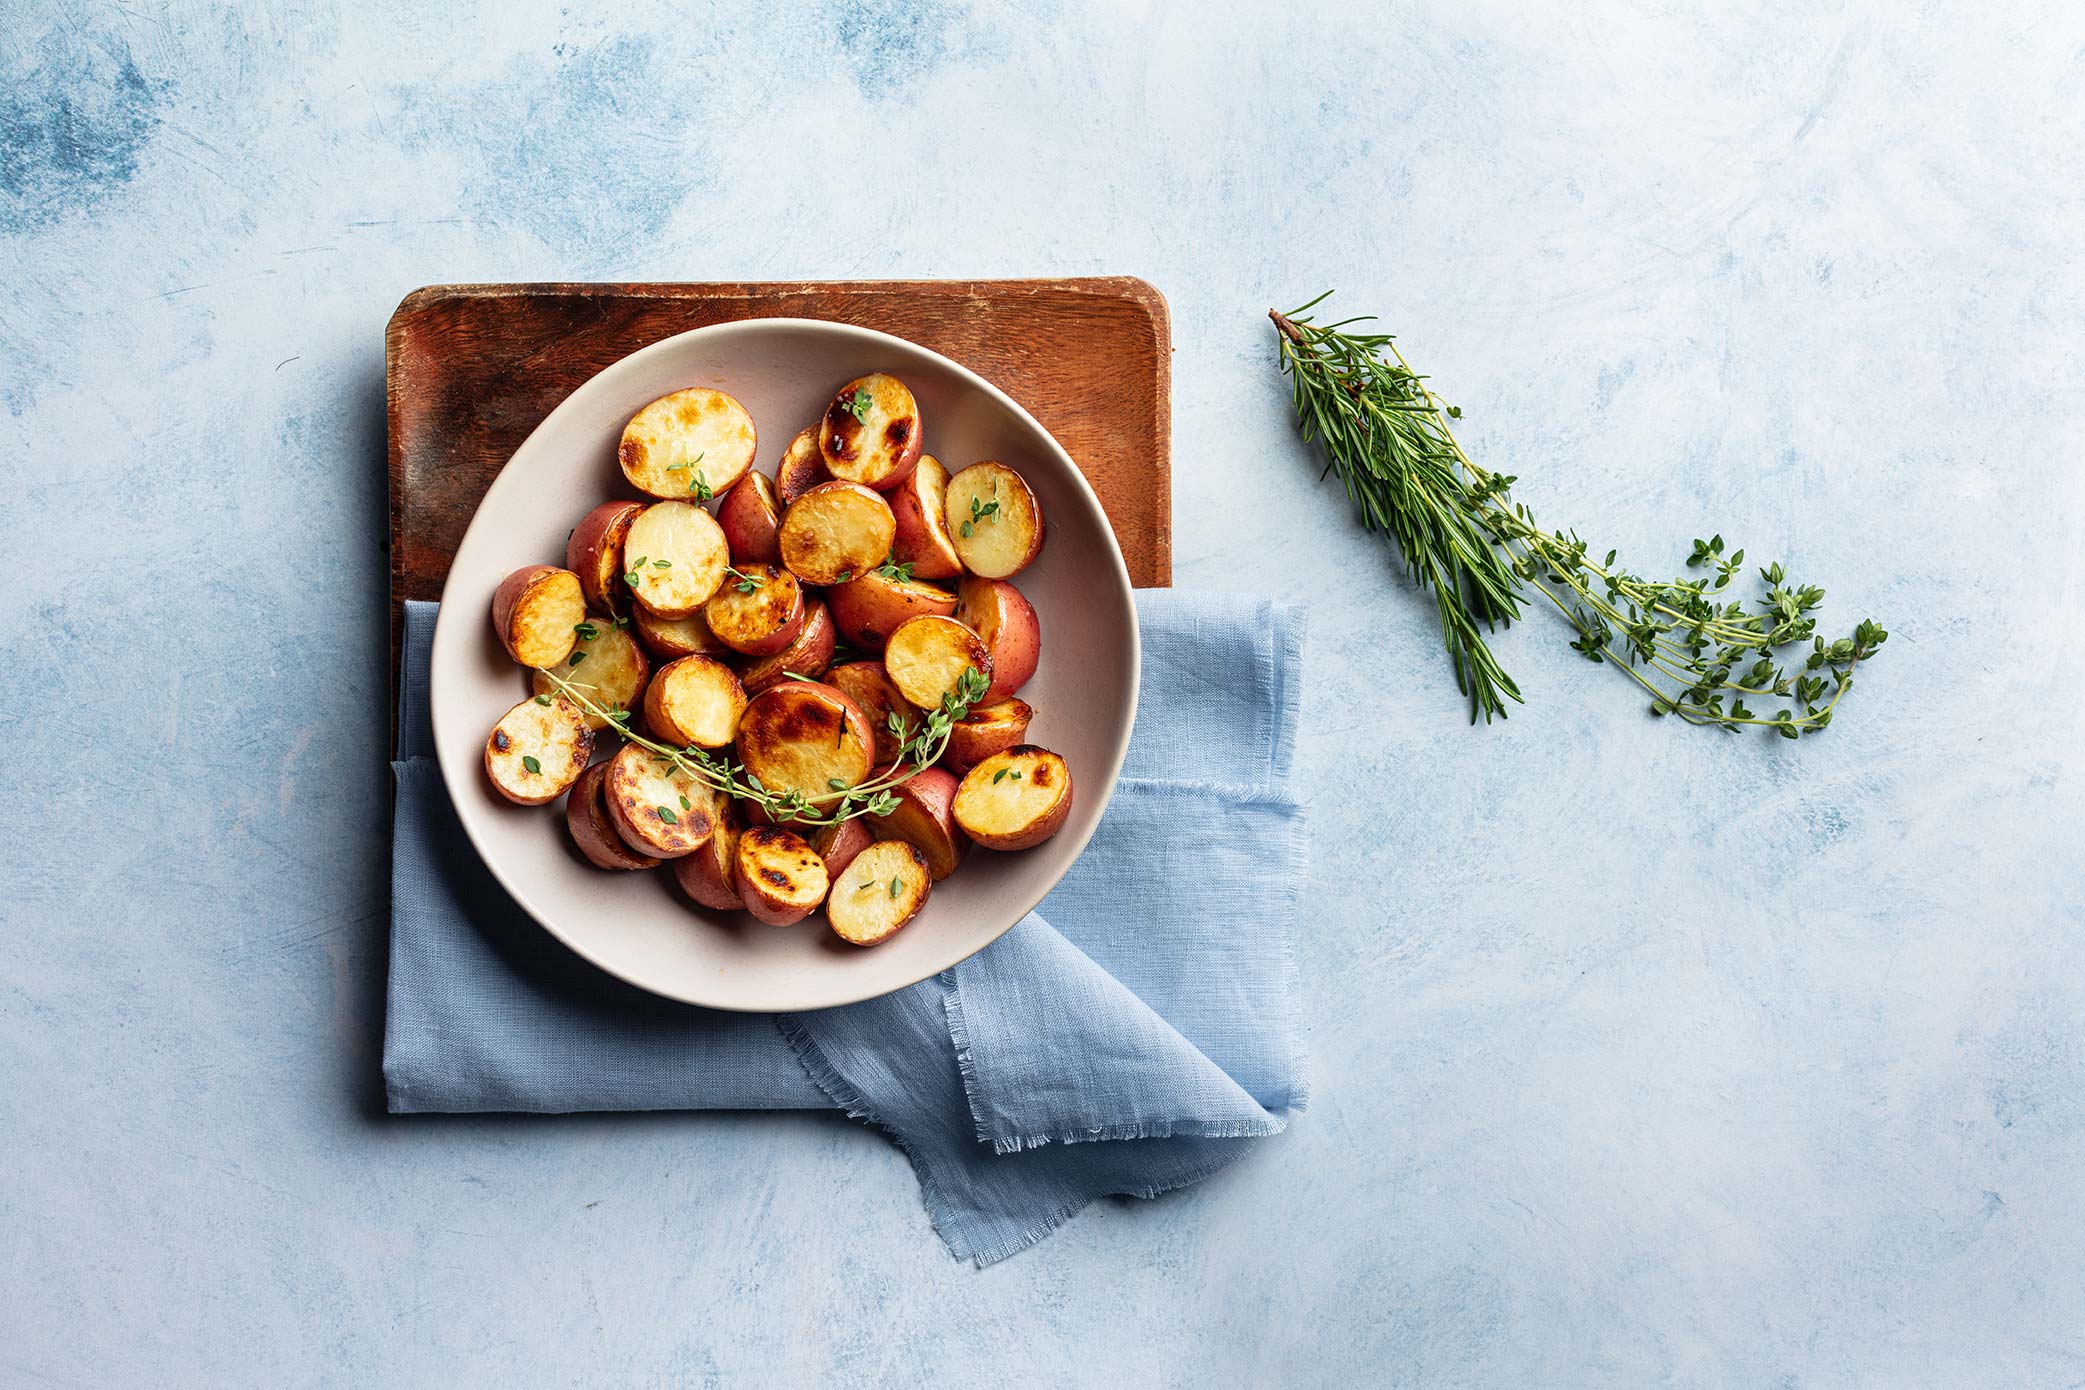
(450, 624)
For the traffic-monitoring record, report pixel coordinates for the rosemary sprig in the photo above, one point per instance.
(1697, 654)
(918, 750)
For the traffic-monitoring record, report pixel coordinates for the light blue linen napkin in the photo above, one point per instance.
(1129, 1037)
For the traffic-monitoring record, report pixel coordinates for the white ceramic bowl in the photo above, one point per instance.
(640, 927)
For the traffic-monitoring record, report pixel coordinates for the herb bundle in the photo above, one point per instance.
(1698, 654)
(919, 748)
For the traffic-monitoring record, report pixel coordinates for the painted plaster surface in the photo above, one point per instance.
(1641, 1056)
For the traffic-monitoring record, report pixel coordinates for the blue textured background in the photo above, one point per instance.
(1641, 1055)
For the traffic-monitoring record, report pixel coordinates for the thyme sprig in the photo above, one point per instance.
(919, 749)
(1697, 653)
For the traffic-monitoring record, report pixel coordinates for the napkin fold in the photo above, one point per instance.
(1129, 1037)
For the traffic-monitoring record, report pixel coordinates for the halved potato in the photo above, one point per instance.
(925, 818)
(870, 607)
(759, 610)
(805, 737)
(594, 552)
(607, 666)
(694, 443)
(536, 611)
(996, 521)
(802, 467)
(710, 874)
(657, 809)
(697, 700)
(677, 556)
(537, 750)
(836, 531)
(1006, 623)
(986, 730)
(750, 515)
(883, 889)
(1016, 799)
(838, 842)
(781, 879)
(920, 507)
(808, 655)
(926, 658)
(871, 432)
(869, 685)
(672, 637)
(594, 832)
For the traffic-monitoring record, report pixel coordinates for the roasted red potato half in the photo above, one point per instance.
(920, 507)
(925, 818)
(1006, 623)
(837, 842)
(750, 515)
(1016, 799)
(871, 432)
(537, 611)
(985, 730)
(677, 557)
(801, 468)
(882, 890)
(594, 832)
(697, 700)
(836, 531)
(808, 655)
(805, 737)
(997, 522)
(781, 879)
(668, 638)
(657, 809)
(927, 657)
(869, 685)
(710, 874)
(759, 611)
(606, 666)
(537, 750)
(695, 443)
(594, 552)
(870, 607)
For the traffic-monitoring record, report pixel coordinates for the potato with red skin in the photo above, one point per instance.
(607, 667)
(804, 736)
(750, 515)
(801, 468)
(710, 874)
(668, 638)
(677, 557)
(1016, 799)
(838, 842)
(781, 879)
(835, 532)
(758, 612)
(594, 552)
(1006, 623)
(586, 817)
(808, 655)
(869, 685)
(925, 818)
(919, 505)
(996, 522)
(985, 730)
(884, 889)
(696, 700)
(870, 607)
(871, 433)
(536, 751)
(694, 443)
(659, 810)
(537, 611)
(927, 656)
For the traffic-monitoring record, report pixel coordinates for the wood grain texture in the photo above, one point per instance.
(470, 370)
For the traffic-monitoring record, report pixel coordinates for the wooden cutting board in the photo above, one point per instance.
(471, 369)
